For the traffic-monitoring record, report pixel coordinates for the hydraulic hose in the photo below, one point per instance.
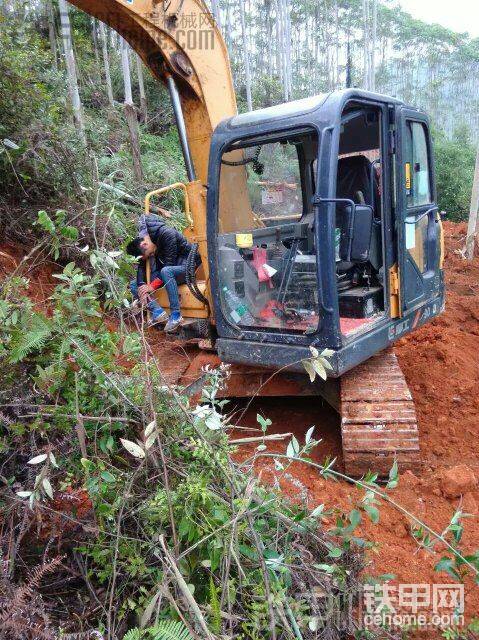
(258, 167)
(190, 275)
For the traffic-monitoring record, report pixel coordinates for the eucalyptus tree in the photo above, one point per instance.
(70, 65)
(473, 223)
(130, 111)
(52, 32)
(106, 62)
(247, 71)
(141, 88)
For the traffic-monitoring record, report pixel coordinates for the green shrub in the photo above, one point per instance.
(171, 510)
(455, 159)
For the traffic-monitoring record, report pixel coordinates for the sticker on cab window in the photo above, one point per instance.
(244, 240)
(272, 196)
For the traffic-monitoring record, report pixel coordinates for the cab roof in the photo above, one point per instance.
(333, 102)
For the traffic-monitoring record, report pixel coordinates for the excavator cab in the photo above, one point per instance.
(339, 247)
(340, 244)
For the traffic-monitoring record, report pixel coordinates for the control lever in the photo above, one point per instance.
(285, 280)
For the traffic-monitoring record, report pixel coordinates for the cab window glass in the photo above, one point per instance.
(417, 173)
(273, 183)
(266, 246)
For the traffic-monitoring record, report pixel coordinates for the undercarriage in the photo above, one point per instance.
(377, 416)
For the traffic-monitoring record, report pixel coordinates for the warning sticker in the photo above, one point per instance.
(408, 176)
(244, 240)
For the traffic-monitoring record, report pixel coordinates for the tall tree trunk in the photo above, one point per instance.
(473, 223)
(247, 71)
(283, 47)
(287, 47)
(317, 31)
(95, 42)
(283, 51)
(227, 29)
(71, 69)
(349, 65)
(366, 59)
(336, 44)
(279, 42)
(215, 10)
(141, 85)
(372, 54)
(130, 113)
(52, 33)
(328, 51)
(270, 39)
(106, 63)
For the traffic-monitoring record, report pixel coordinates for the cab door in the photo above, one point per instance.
(418, 223)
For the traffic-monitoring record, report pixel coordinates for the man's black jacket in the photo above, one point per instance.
(172, 248)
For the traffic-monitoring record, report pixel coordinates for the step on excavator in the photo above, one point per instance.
(317, 225)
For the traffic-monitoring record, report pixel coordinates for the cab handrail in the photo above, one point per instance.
(171, 187)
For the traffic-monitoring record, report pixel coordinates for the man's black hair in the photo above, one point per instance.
(133, 248)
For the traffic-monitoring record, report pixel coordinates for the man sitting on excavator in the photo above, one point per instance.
(168, 250)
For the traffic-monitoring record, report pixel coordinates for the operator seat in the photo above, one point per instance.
(355, 174)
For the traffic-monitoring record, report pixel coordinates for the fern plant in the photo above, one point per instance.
(28, 336)
(22, 613)
(164, 630)
(215, 607)
(73, 325)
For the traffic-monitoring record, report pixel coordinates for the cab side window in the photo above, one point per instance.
(417, 172)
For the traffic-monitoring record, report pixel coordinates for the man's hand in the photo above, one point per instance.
(143, 291)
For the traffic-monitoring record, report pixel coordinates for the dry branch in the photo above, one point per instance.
(275, 436)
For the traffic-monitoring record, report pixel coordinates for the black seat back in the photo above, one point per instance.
(354, 177)
(354, 183)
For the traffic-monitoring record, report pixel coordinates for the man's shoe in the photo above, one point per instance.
(158, 318)
(174, 322)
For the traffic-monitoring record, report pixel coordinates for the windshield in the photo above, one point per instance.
(267, 253)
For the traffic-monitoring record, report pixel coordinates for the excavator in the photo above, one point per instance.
(317, 226)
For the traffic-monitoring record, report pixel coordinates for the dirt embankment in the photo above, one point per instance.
(441, 365)
(33, 266)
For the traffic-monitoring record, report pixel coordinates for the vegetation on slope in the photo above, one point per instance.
(111, 483)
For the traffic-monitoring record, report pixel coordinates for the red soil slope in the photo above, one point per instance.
(37, 269)
(441, 365)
